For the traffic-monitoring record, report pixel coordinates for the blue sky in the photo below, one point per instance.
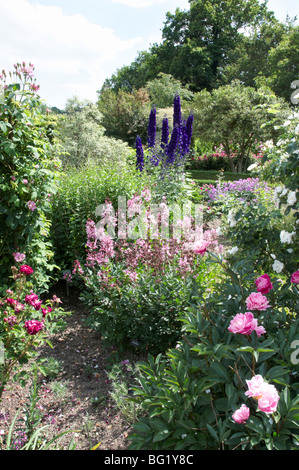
(76, 44)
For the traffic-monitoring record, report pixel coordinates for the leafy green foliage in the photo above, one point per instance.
(27, 177)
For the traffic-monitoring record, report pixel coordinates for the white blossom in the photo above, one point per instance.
(233, 250)
(286, 237)
(291, 198)
(277, 266)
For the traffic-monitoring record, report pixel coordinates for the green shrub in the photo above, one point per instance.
(190, 394)
(79, 193)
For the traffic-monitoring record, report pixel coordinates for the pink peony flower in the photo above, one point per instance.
(269, 400)
(257, 301)
(26, 269)
(245, 324)
(241, 415)
(255, 387)
(295, 277)
(33, 326)
(242, 323)
(201, 247)
(266, 394)
(263, 284)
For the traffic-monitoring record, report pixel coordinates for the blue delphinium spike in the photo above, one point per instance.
(151, 135)
(139, 154)
(177, 113)
(165, 133)
(172, 145)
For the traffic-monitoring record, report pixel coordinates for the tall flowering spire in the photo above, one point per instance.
(177, 113)
(165, 133)
(151, 136)
(189, 127)
(173, 145)
(139, 154)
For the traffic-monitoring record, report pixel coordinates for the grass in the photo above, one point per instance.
(211, 177)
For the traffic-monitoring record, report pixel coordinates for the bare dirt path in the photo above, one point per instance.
(67, 401)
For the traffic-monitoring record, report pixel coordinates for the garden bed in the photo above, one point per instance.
(66, 401)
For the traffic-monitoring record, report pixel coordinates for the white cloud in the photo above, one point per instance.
(67, 50)
(149, 3)
(138, 3)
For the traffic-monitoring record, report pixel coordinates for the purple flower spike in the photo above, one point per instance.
(139, 154)
(151, 139)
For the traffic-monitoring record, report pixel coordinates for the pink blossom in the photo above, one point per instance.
(241, 415)
(33, 326)
(25, 181)
(265, 394)
(255, 387)
(19, 257)
(30, 298)
(31, 205)
(46, 310)
(245, 324)
(201, 247)
(295, 277)
(257, 301)
(10, 320)
(263, 284)
(269, 400)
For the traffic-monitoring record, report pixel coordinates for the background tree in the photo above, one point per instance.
(124, 115)
(162, 90)
(83, 139)
(234, 116)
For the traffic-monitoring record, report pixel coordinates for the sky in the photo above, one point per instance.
(76, 44)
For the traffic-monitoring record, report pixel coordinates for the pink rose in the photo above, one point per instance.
(31, 298)
(269, 400)
(26, 269)
(257, 301)
(245, 324)
(31, 205)
(46, 310)
(263, 284)
(33, 326)
(295, 277)
(241, 415)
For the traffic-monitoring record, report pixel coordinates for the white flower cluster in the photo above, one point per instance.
(286, 237)
(281, 191)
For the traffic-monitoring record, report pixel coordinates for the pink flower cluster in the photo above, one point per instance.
(245, 323)
(32, 299)
(266, 395)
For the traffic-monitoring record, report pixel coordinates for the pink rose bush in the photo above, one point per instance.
(25, 321)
